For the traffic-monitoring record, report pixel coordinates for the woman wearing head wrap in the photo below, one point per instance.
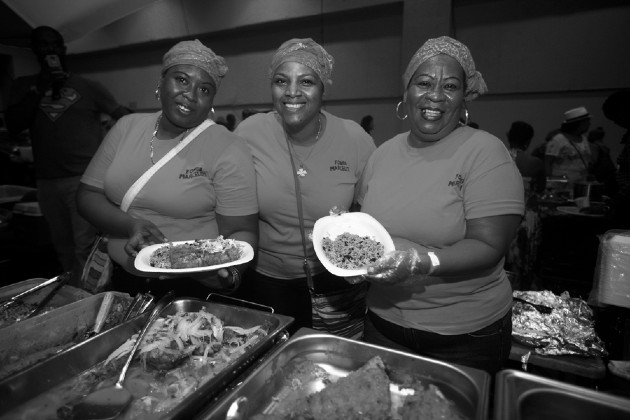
(299, 142)
(452, 199)
(207, 189)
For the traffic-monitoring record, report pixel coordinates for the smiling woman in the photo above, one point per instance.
(208, 190)
(452, 198)
(303, 152)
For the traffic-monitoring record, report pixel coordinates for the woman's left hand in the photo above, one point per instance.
(396, 268)
(142, 234)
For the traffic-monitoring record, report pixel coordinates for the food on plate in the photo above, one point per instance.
(352, 251)
(179, 354)
(363, 394)
(199, 253)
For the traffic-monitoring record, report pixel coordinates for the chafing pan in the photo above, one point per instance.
(64, 296)
(25, 343)
(524, 396)
(22, 387)
(264, 386)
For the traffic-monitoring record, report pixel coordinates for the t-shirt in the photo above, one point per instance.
(570, 159)
(334, 165)
(213, 174)
(425, 195)
(67, 131)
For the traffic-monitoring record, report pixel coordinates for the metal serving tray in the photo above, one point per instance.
(65, 295)
(28, 342)
(20, 388)
(467, 387)
(524, 396)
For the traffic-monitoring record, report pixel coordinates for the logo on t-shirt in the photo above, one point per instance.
(192, 173)
(458, 182)
(54, 108)
(340, 165)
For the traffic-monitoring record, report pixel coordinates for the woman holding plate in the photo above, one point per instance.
(307, 161)
(452, 199)
(205, 189)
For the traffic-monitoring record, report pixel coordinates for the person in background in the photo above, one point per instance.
(539, 151)
(207, 190)
(603, 168)
(329, 154)
(62, 112)
(452, 199)
(367, 123)
(616, 108)
(532, 168)
(568, 153)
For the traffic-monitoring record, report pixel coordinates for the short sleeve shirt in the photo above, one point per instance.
(333, 168)
(213, 174)
(426, 195)
(569, 159)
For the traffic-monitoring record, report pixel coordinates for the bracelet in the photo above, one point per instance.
(237, 280)
(435, 262)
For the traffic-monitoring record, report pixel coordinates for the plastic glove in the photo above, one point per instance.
(396, 268)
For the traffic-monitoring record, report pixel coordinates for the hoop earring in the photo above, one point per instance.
(465, 121)
(398, 112)
(157, 92)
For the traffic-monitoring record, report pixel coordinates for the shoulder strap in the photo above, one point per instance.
(298, 196)
(140, 182)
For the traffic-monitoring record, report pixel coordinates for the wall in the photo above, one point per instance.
(539, 58)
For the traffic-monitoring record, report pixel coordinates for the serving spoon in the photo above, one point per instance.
(107, 403)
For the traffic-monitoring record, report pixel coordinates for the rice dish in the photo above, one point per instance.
(351, 251)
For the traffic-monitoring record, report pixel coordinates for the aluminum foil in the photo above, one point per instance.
(568, 329)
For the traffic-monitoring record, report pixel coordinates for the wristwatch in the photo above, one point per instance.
(435, 262)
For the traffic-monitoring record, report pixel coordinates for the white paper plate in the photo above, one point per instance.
(357, 223)
(575, 211)
(142, 261)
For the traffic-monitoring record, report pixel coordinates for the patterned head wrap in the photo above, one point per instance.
(307, 52)
(475, 85)
(198, 55)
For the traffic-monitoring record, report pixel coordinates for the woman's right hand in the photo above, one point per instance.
(142, 234)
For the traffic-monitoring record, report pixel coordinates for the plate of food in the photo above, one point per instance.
(193, 256)
(346, 243)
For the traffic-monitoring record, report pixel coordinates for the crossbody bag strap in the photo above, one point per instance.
(298, 196)
(580, 155)
(140, 182)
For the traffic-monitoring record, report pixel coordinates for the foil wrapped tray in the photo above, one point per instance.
(265, 385)
(19, 390)
(568, 330)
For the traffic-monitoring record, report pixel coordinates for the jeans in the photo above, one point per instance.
(71, 235)
(486, 349)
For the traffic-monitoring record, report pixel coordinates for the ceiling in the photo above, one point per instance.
(73, 18)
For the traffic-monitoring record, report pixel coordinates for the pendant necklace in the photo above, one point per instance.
(302, 172)
(157, 124)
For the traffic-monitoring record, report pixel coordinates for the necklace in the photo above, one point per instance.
(157, 124)
(302, 172)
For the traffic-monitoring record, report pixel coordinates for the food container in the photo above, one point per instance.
(30, 383)
(524, 396)
(64, 296)
(28, 342)
(264, 386)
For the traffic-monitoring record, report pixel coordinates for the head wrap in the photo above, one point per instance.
(198, 55)
(475, 85)
(307, 52)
